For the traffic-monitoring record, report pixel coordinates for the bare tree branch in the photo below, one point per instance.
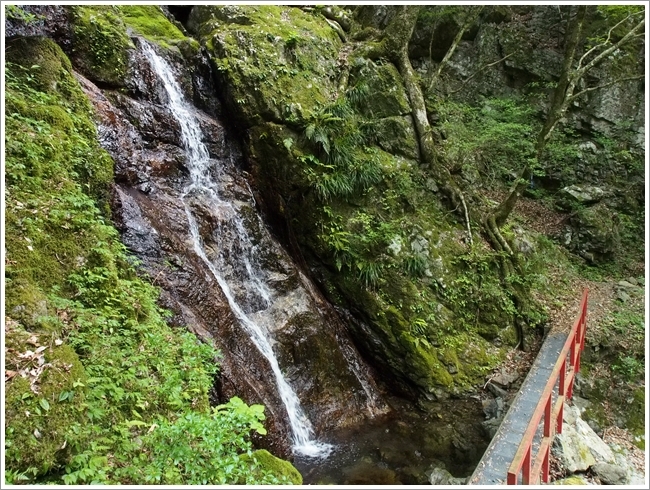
(452, 49)
(625, 39)
(469, 228)
(604, 85)
(606, 42)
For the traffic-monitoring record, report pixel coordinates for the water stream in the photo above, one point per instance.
(251, 296)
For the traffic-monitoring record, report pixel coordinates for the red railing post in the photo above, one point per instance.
(512, 479)
(526, 468)
(565, 370)
(560, 419)
(547, 417)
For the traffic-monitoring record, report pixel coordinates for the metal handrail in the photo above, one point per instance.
(549, 411)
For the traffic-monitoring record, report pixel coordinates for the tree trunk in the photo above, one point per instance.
(561, 94)
(395, 43)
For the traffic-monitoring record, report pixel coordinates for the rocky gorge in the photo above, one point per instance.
(268, 175)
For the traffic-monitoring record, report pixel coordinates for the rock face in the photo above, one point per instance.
(281, 84)
(287, 76)
(310, 341)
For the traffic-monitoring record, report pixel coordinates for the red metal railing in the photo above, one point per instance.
(566, 367)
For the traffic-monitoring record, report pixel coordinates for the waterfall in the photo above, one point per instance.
(257, 296)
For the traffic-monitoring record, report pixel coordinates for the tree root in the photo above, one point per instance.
(469, 229)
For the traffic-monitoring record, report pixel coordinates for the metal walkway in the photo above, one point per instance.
(493, 467)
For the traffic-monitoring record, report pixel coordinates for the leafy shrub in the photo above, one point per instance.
(202, 448)
(343, 162)
(497, 138)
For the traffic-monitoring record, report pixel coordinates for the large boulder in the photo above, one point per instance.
(583, 195)
(578, 448)
(610, 474)
(593, 233)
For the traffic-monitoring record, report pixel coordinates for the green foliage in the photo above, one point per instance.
(477, 293)
(85, 403)
(344, 163)
(629, 367)
(360, 245)
(607, 17)
(292, 40)
(205, 449)
(434, 15)
(415, 265)
(496, 139)
(15, 12)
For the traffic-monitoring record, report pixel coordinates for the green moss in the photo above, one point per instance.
(267, 463)
(45, 55)
(276, 59)
(635, 414)
(385, 83)
(67, 277)
(388, 246)
(101, 43)
(572, 480)
(150, 22)
(38, 417)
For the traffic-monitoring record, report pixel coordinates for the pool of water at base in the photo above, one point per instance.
(403, 446)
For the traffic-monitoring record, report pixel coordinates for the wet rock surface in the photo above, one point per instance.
(309, 339)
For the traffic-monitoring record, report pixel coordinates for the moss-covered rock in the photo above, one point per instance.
(594, 233)
(276, 61)
(284, 470)
(151, 22)
(49, 67)
(101, 43)
(44, 397)
(396, 135)
(387, 93)
(572, 480)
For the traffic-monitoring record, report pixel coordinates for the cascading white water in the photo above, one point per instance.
(202, 187)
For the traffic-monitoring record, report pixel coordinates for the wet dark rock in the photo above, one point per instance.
(365, 473)
(311, 344)
(40, 20)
